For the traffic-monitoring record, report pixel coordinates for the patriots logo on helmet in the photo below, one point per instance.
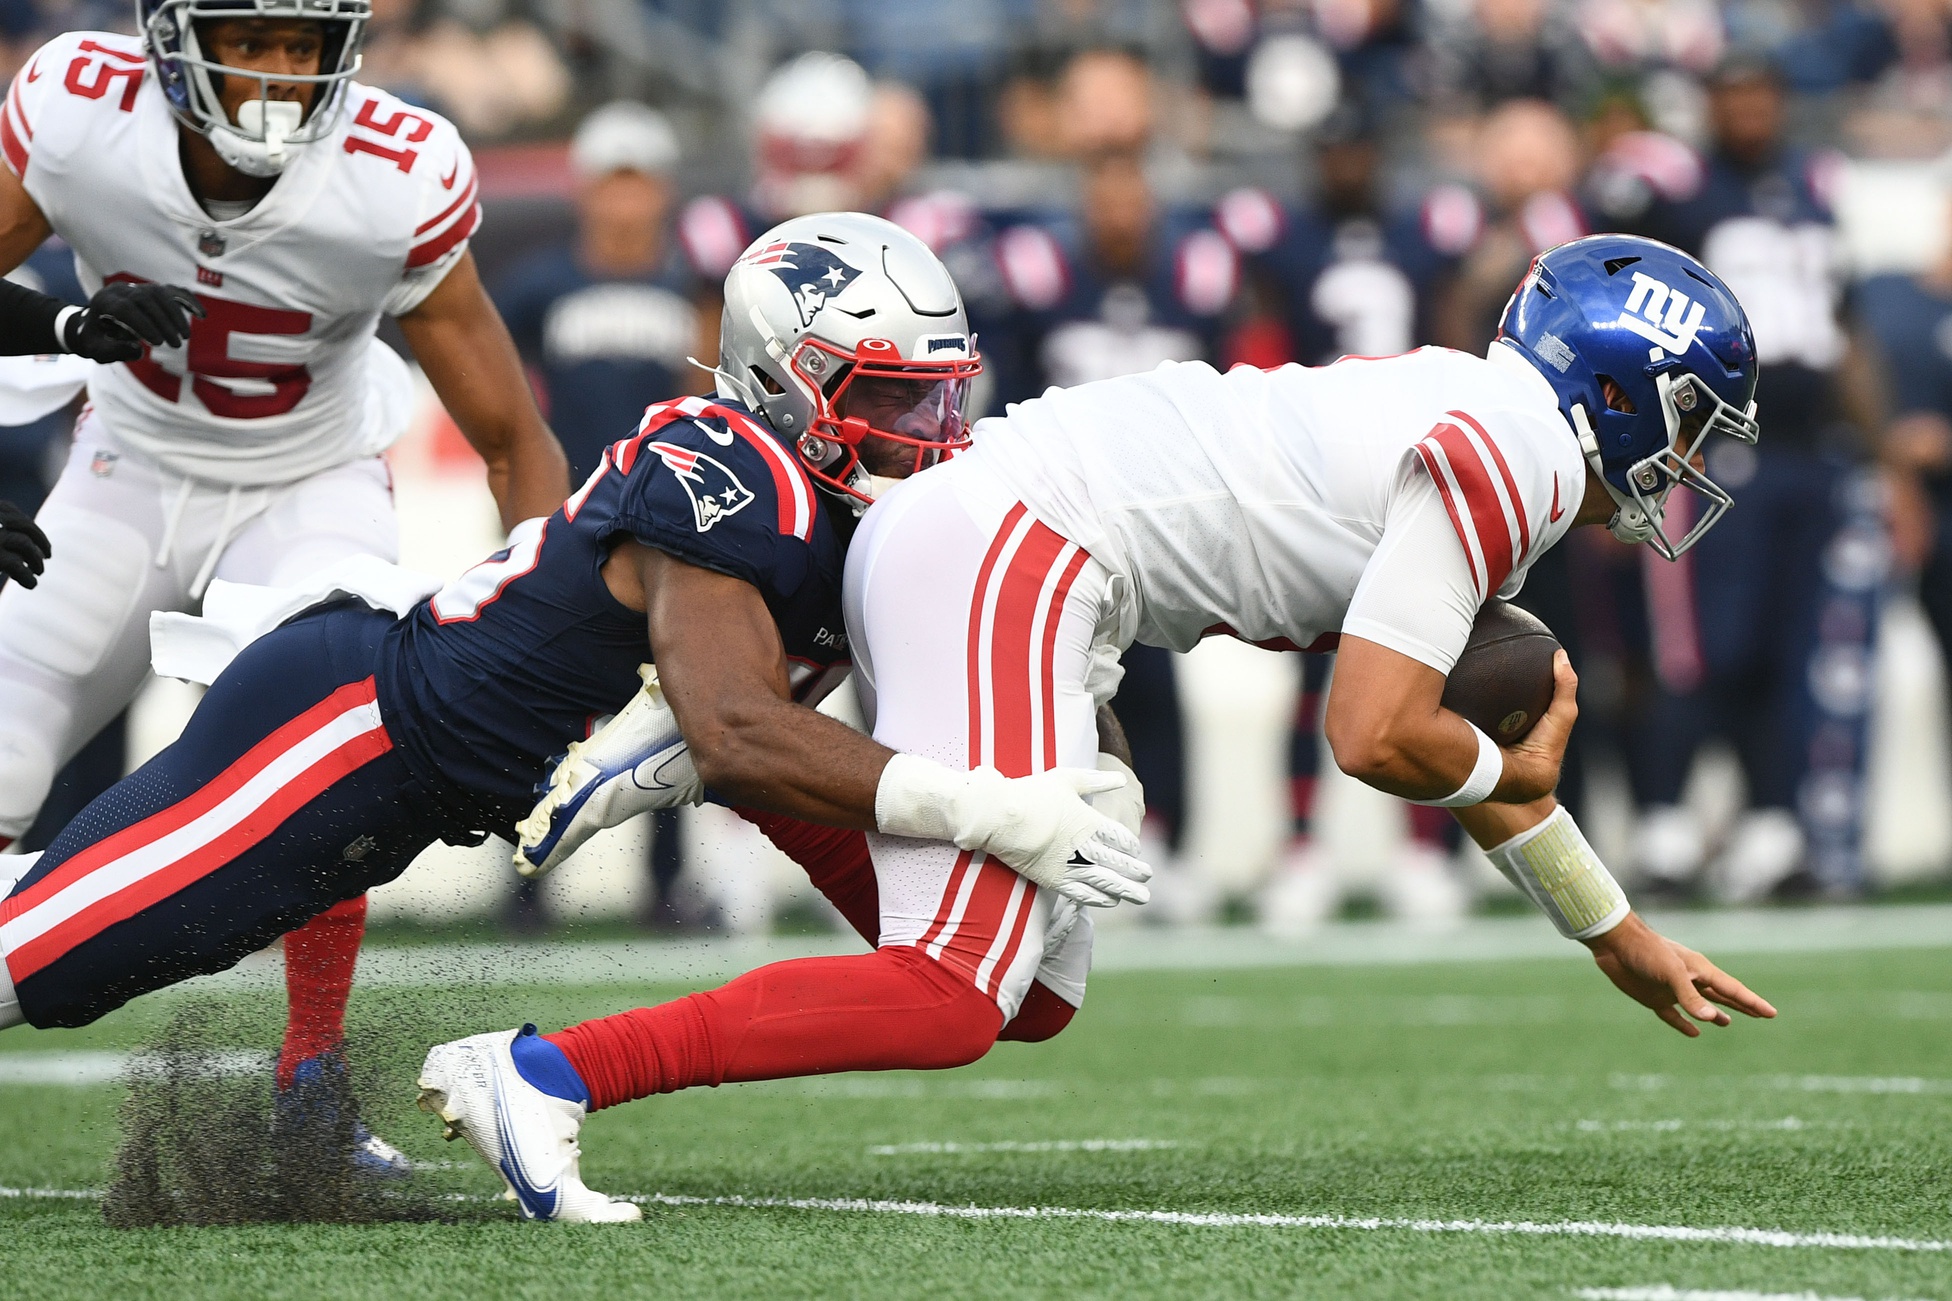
(714, 490)
(810, 272)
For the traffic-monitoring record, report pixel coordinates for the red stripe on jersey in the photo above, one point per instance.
(791, 484)
(438, 247)
(1511, 485)
(1012, 658)
(19, 106)
(1433, 465)
(11, 146)
(1488, 515)
(467, 196)
(1048, 657)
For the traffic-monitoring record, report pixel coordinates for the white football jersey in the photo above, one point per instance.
(1250, 503)
(271, 386)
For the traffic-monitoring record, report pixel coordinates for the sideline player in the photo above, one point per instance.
(337, 747)
(1374, 503)
(228, 148)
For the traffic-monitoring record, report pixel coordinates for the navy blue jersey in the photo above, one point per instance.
(481, 685)
(1769, 233)
(1912, 325)
(1342, 285)
(1074, 321)
(606, 347)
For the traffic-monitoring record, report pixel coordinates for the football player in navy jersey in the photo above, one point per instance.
(606, 318)
(1736, 628)
(1907, 320)
(336, 748)
(1344, 275)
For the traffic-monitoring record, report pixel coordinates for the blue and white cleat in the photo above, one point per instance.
(311, 1106)
(636, 762)
(524, 1133)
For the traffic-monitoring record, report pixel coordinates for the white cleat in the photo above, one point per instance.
(528, 1136)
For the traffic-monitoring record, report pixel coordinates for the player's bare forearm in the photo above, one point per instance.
(1491, 823)
(23, 227)
(723, 670)
(460, 342)
(1387, 726)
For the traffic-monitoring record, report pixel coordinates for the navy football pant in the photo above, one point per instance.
(283, 796)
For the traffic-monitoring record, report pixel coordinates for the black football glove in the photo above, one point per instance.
(121, 317)
(24, 549)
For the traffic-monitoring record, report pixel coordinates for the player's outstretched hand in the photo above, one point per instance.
(1532, 765)
(24, 549)
(1671, 978)
(121, 317)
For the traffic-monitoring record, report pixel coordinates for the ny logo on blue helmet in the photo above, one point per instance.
(1650, 354)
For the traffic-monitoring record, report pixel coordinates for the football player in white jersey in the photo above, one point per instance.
(228, 148)
(1372, 503)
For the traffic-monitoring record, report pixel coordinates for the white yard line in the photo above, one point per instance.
(1053, 1145)
(1665, 1292)
(1231, 1220)
(1788, 1123)
(1780, 1238)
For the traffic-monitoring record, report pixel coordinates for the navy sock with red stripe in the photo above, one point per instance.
(893, 1009)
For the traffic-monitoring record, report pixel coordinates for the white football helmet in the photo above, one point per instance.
(262, 139)
(820, 305)
(811, 119)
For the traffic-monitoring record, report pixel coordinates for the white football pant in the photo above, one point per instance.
(972, 626)
(131, 537)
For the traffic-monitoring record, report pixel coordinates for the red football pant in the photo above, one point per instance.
(319, 961)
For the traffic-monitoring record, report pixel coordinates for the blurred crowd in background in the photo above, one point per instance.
(1117, 183)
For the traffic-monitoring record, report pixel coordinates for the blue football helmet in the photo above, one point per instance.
(1677, 346)
(260, 142)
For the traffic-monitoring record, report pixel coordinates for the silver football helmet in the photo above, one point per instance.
(841, 327)
(263, 139)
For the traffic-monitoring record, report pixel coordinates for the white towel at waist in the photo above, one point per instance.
(196, 648)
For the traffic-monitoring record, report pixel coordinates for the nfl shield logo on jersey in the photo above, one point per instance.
(211, 244)
(812, 274)
(715, 491)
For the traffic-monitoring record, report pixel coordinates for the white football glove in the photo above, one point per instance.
(1125, 804)
(635, 763)
(1039, 825)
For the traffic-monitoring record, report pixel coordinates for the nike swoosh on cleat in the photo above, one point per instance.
(541, 1203)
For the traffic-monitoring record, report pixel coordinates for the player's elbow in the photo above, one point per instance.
(1368, 746)
(732, 749)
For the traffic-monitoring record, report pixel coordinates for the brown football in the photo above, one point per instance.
(1503, 680)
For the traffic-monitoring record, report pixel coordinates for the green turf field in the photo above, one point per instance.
(1475, 1094)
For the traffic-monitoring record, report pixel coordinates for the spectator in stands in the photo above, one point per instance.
(603, 316)
(605, 321)
(1751, 627)
(1505, 50)
(1527, 164)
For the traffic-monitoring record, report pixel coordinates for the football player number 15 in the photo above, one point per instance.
(226, 385)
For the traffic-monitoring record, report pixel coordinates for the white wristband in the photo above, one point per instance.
(1558, 871)
(61, 320)
(1484, 777)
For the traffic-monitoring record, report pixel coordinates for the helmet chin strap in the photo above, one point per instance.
(1630, 523)
(275, 121)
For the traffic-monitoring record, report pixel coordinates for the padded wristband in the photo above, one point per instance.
(1558, 871)
(1484, 777)
(62, 320)
(919, 799)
